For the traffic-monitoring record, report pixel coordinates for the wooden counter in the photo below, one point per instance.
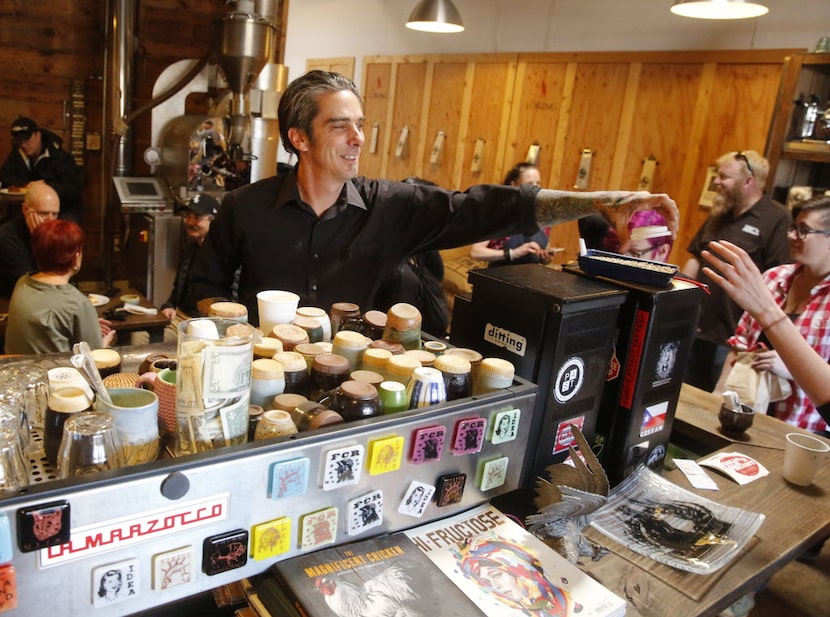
(796, 518)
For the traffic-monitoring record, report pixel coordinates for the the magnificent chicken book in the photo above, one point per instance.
(386, 576)
(509, 572)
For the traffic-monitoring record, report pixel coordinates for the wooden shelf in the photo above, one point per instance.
(812, 150)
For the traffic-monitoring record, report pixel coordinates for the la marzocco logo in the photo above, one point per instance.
(505, 338)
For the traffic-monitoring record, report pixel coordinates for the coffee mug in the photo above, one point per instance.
(135, 412)
(426, 387)
(803, 457)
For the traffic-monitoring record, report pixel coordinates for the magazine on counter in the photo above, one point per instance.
(385, 576)
(509, 572)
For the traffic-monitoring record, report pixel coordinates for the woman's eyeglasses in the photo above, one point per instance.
(802, 231)
(740, 156)
(639, 254)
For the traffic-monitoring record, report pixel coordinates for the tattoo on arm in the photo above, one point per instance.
(554, 207)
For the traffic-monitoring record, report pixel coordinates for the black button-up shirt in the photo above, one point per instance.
(344, 255)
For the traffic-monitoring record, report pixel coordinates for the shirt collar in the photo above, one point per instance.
(349, 196)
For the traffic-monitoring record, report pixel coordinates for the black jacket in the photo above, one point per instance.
(56, 167)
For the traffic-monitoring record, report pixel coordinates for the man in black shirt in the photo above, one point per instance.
(327, 235)
(743, 215)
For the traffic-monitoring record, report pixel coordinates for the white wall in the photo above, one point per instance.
(346, 28)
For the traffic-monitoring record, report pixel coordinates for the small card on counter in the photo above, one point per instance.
(740, 467)
(695, 474)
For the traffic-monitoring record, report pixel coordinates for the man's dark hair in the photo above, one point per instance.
(298, 104)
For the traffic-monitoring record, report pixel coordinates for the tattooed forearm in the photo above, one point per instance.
(554, 207)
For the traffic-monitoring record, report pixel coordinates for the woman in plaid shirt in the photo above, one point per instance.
(802, 291)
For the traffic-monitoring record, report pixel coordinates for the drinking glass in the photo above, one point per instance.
(89, 445)
(14, 467)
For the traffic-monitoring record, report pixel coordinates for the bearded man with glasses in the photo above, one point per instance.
(745, 216)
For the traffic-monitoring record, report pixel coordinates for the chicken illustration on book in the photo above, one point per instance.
(384, 576)
(388, 593)
(512, 575)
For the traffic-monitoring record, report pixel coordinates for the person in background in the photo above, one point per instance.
(802, 290)
(40, 204)
(330, 236)
(37, 155)
(520, 248)
(199, 213)
(743, 215)
(417, 281)
(599, 234)
(46, 313)
(649, 237)
(732, 268)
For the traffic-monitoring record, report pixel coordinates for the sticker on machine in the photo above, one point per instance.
(666, 362)
(569, 379)
(564, 434)
(654, 418)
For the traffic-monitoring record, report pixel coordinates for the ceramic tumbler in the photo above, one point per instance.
(393, 396)
(425, 388)
(354, 400)
(328, 371)
(274, 423)
(267, 380)
(400, 368)
(289, 335)
(312, 327)
(458, 375)
(320, 315)
(295, 371)
(135, 414)
(229, 310)
(107, 361)
(345, 316)
(493, 374)
(351, 345)
(403, 325)
(62, 403)
(267, 347)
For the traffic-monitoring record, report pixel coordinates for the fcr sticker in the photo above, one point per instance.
(569, 379)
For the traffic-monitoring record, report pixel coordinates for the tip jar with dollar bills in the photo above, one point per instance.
(213, 384)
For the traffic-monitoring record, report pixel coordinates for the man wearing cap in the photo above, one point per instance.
(37, 155)
(16, 257)
(199, 212)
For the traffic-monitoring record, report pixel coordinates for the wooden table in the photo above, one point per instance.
(796, 518)
(154, 324)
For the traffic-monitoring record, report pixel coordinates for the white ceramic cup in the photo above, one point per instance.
(803, 457)
(276, 307)
(135, 414)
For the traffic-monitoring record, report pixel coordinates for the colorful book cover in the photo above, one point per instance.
(385, 576)
(509, 572)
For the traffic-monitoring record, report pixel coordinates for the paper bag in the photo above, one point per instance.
(756, 389)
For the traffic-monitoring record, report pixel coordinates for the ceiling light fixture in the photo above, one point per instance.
(435, 16)
(719, 9)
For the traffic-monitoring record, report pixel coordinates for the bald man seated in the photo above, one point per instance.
(16, 258)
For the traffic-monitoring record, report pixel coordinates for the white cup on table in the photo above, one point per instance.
(803, 457)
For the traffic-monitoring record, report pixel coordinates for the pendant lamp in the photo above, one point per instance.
(719, 9)
(435, 16)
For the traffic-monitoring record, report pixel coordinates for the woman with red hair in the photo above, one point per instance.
(47, 314)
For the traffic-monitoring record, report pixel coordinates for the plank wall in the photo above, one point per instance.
(684, 108)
